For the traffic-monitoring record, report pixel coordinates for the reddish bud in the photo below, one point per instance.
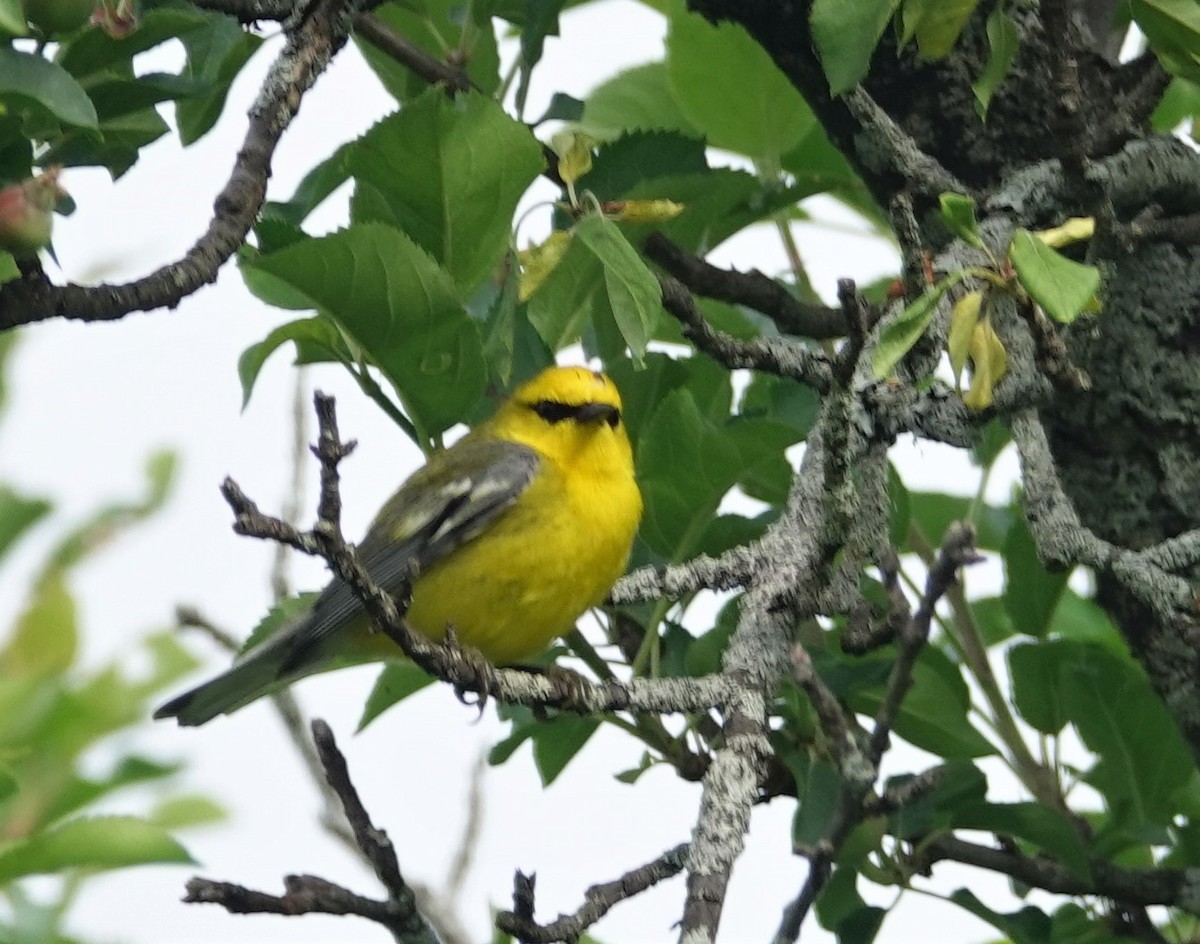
(27, 212)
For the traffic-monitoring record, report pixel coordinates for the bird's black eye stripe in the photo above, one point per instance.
(552, 411)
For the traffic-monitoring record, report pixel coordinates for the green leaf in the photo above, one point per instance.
(1143, 760)
(640, 157)
(936, 24)
(958, 213)
(117, 147)
(278, 616)
(1030, 925)
(1178, 108)
(316, 339)
(1043, 826)
(46, 635)
(1003, 43)
(1034, 669)
(314, 189)
(400, 308)
(845, 35)
(396, 682)
(638, 99)
(1173, 29)
(8, 271)
(28, 81)
(934, 512)
(435, 26)
(451, 173)
(1031, 592)
(105, 842)
(686, 465)
(633, 292)
(730, 89)
(18, 513)
(817, 808)
(557, 741)
(179, 812)
(12, 18)
(94, 51)
(1062, 287)
(216, 53)
(541, 20)
(905, 330)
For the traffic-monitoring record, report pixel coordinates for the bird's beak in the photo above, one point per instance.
(598, 411)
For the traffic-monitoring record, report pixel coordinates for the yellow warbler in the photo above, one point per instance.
(515, 530)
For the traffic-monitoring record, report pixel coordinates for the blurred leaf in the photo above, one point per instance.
(185, 811)
(1173, 29)
(1062, 287)
(1179, 106)
(399, 307)
(450, 173)
(1049, 830)
(396, 682)
(1003, 43)
(964, 317)
(640, 156)
(106, 842)
(1034, 670)
(278, 616)
(845, 36)
(936, 24)
(435, 26)
(29, 82)
(934, 512)
(18, 513)
(1143, 760)
(117, 146)
(1031, 592)
(46, 635)
(216, 53)
(540, 21)
(992, 440)
(1030, 925)
(94, 51)
(12, 18)
(958, 213)
(817, 807)
(729, 88)
(557, 741)
(638, 99)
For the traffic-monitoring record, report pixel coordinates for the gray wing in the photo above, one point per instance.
(435, 513)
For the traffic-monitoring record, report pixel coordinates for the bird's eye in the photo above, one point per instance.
(552, 411)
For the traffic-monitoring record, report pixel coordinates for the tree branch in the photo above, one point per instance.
(311, 44)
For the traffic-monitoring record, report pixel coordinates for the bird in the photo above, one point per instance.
(513, 532)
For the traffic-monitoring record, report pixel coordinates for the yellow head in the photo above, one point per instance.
(571, 415)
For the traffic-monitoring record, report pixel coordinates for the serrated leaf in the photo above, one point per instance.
(989, 364)
(1003, 43)
(400, 308)
(845, 35)
(30, 81)
(958, 213)
(450, 173)
(396, 682)
(179, 812)
(278, 616)
(964, 316)
(105, 842)
(1062, 287)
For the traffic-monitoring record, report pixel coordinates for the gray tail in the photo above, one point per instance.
(260, 673)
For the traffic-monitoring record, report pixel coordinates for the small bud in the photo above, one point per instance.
(118, 18)
(642, 211)
(27, 213)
